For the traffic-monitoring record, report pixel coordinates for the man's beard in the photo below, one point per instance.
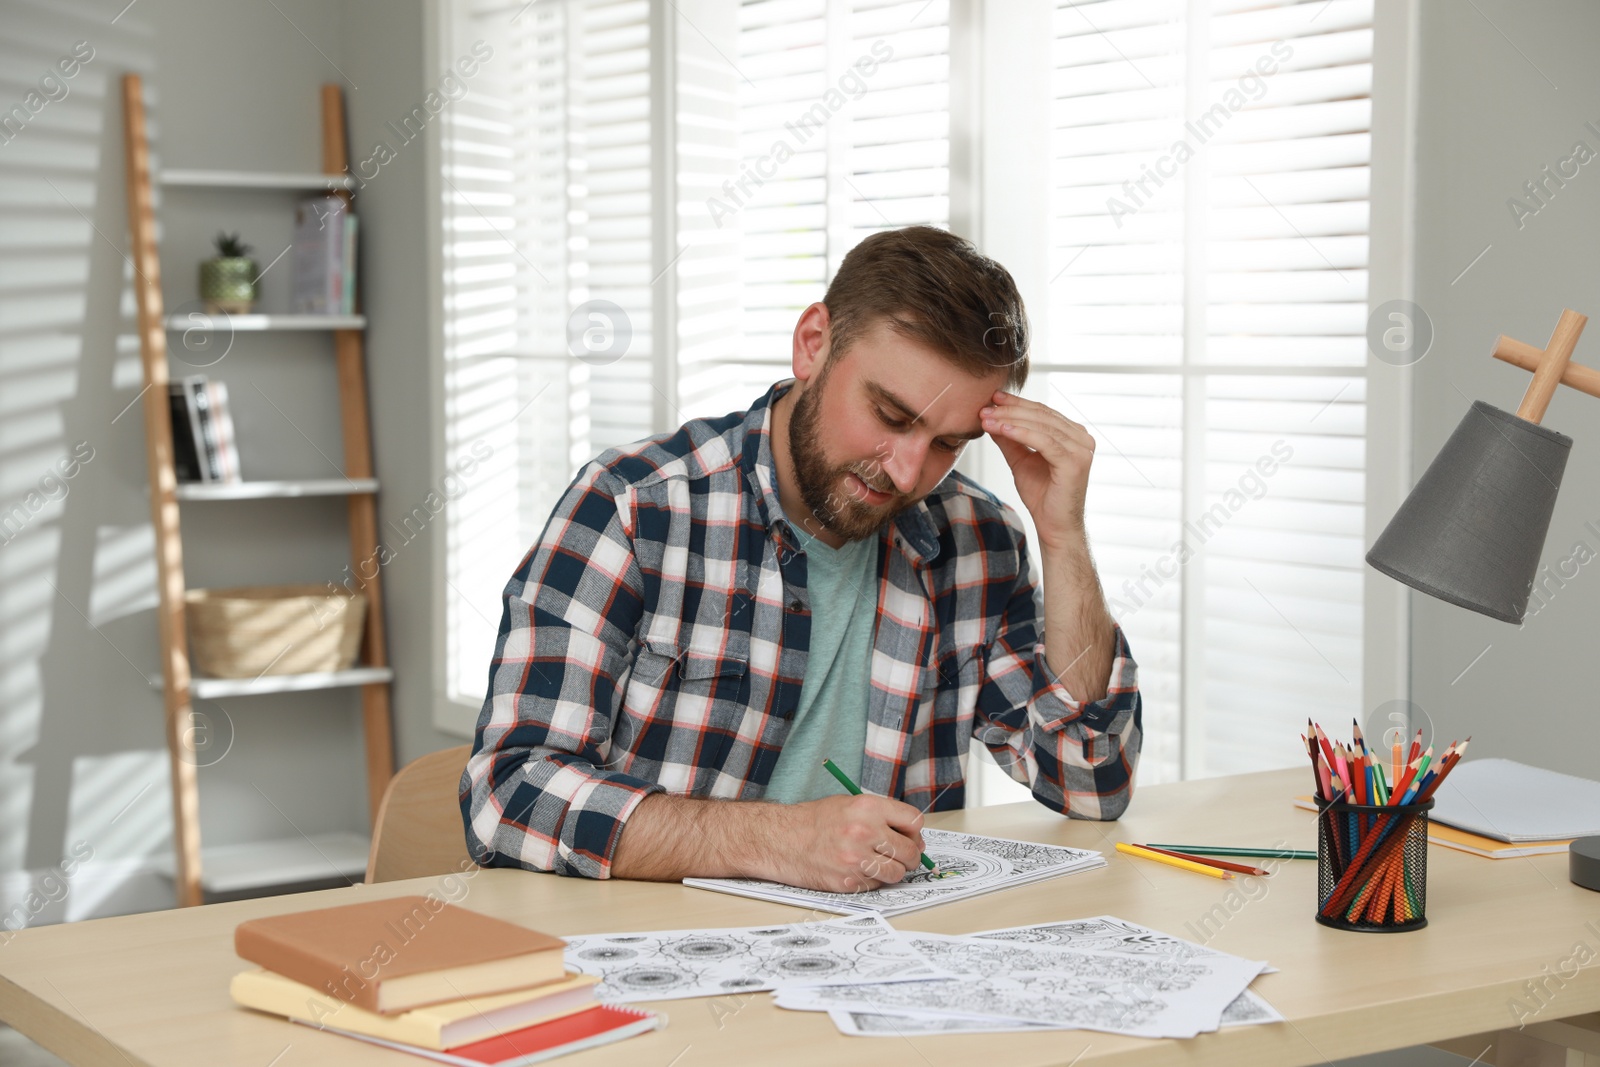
(827, 490)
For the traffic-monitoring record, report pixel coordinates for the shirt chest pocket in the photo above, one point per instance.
(682, 714)
(674, 678)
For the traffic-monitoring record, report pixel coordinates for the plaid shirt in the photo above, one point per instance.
(655, 639)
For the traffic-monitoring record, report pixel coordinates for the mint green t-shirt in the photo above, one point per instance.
(831, 721)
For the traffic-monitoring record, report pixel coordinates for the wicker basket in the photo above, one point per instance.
(249, 631)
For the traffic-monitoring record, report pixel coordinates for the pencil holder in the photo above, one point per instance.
(1372, 866)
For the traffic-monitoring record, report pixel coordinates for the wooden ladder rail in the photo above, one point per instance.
(163, 493)
(350, 360)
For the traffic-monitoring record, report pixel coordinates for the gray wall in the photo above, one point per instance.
(227, 86)
(1498, 103)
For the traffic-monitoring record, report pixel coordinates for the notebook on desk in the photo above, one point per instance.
(1477, 844)
(1510, 801)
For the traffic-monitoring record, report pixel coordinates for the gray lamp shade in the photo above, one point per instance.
(1472, 530)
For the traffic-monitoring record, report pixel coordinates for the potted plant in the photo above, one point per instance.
(228, 281)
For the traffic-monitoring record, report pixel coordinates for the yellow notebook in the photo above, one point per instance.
(1450, 837)
(436, 1026)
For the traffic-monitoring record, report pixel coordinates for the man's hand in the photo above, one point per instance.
(837, 844)
(1049, 456)
(850, 844)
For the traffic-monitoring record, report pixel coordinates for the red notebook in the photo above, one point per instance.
(599, 1025)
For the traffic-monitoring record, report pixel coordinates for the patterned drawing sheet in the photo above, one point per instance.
(1102, 933)
(1106, 933)
(672, 964)
(1247, 1009)
(969, 865)
(1114, 992)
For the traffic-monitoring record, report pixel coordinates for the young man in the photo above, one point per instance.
(711, 613)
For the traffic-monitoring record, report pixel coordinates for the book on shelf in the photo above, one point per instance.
(185, 453)
(402, 952)
(227, 469)
(324, 272)
(203, 445)
(350, 243)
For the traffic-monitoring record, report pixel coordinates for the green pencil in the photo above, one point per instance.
(1225, 850)
(855, 791)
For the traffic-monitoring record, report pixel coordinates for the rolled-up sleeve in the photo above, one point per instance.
(1077, 756)
(536, 792)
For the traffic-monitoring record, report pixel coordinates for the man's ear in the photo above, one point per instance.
(811, 341)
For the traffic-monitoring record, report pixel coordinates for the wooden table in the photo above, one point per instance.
(152, 989)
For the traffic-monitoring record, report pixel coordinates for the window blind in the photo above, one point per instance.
(547, 258)
(843, 130)
(1207, 322)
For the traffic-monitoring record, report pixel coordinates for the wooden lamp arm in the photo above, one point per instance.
(1551, 365)
(1522, 354)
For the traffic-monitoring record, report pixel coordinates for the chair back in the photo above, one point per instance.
(418, 831)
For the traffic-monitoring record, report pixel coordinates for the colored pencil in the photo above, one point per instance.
(1311, 750)
(1327, 748)
(1405, 780)
(1225, 865)
(855, 791)
(1173, 861)
(1239, 850)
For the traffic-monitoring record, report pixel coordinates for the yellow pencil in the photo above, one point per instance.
(1188, 865)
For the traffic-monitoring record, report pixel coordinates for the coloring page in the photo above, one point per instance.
(670, 964)
(968, 864)
(1247, 1009)
(1105, 933)
(1113, 992)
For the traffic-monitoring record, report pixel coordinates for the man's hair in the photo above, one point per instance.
(936, 288)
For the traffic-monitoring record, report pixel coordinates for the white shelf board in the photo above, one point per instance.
(217, 688)
(233, 868)
(246, 179)
(268, 490)
(253, 323)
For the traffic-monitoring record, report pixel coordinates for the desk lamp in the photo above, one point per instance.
(1472, 530)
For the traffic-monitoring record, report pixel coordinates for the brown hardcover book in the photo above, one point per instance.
(401, 953)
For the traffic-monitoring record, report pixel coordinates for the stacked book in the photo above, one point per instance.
(324, 277)
(203, 445)
(417, 974)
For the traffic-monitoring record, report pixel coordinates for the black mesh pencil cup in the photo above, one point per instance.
(1372, 866)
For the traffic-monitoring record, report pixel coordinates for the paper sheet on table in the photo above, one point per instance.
(1247, 1009)
(1104, 933)
(1101, 933)
(670, 964)
(1115, 992)
(969, 866)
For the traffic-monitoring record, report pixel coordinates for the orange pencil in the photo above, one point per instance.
(1405, 781)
